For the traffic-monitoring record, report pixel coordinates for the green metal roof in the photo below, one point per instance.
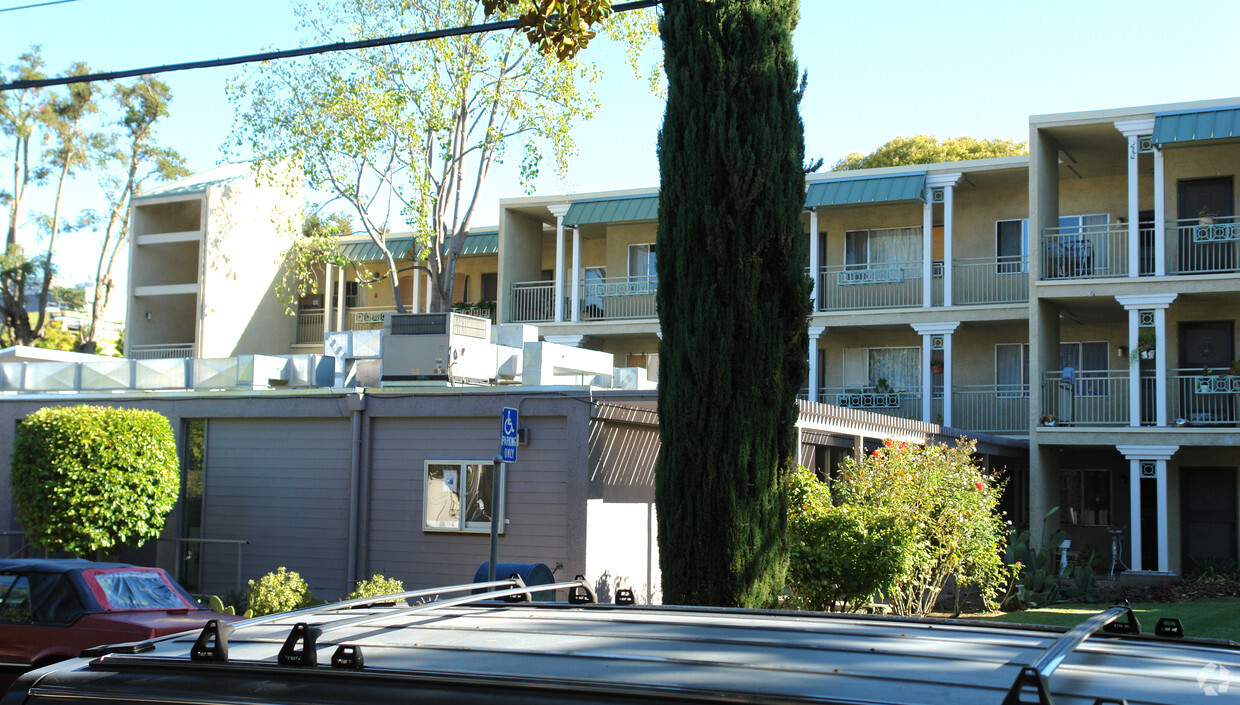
(200, 182)
(367, 251)
(873, 189)
(1196, 125)
(481, 243)
(613, 210)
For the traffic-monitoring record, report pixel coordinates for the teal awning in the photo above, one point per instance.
(481, 243)
(367, 251)
(613, 210)
(1196, 125)
(862, 191)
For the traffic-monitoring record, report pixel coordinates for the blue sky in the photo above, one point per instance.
(877, 69)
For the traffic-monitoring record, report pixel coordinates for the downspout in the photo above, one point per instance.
(357, 404)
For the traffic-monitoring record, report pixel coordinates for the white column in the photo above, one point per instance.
(557, 300)
(815, 260)
(1134, 513)
(947, 379)
(1134, 369)
(416, 289)
(340, 299)
(927, 332)
(1160, 483)
(927, 379)
(327, 299)
(426, 304)
(1134, 209)
(1160, 215)
(814, 380)
(948, 199)
(1158, 303)
(927, 252)
(576, 280)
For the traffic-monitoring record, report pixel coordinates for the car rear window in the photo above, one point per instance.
(134, 589)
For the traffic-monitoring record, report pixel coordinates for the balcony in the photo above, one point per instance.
(885, 285)
(1199, 399)
(982, 408)
(602, 299)
(1086, 398)
(990, 280)
(1192, 247)
(1085, 252)
(164, 351)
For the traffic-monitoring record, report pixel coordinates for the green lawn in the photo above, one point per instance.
(1217, 618)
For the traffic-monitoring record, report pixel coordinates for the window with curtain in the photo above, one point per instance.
(642, 263)
(1086, 239)
(1089, 359)
(901, 367)
(1012, 245)
(873, 248)
(1012, 369)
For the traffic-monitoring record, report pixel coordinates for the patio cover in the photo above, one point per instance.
(866, 190)
(1172, 129)
(626, 209)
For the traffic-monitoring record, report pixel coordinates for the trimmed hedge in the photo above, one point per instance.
(88, 478)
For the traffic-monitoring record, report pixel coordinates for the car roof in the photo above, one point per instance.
(556, 652)
(54, 565)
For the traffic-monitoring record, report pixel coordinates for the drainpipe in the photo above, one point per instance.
(357, 405)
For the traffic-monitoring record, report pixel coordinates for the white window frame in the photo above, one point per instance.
(1090, 382)
(647, 251)
(456, 521)
(1023, 266)
(862, 355)
(1024, 369)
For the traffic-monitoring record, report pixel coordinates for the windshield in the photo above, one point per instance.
(134, 589)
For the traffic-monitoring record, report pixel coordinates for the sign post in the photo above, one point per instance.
(509, 423)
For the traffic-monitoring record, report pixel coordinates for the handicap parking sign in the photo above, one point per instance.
(508, 435)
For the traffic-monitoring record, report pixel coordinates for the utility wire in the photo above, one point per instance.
(37, 4)
(291, 53)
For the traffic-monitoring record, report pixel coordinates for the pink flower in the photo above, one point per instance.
(903, 446)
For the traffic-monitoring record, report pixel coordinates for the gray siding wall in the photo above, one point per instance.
(282, 485)
(537, 497)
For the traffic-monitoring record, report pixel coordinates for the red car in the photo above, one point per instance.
(51, 609)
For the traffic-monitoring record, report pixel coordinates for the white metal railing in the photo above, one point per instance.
(886, 285)
(990, 280)
(165, 351)
(1085, 251)
(991, 408)
(1211, 247)
(905, 403)
(614, 298)
(1086, 397)
(309, 327)
(532, 302)
(1196, 398)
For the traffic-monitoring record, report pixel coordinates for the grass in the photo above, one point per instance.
(1217, 618)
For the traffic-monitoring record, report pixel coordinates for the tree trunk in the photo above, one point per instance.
(733, 298)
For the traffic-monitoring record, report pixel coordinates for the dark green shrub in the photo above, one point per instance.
(279, 591)
(88, 478)
(840, 556)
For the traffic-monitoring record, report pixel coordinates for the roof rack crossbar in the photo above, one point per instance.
(1031, 684)
(380, 600)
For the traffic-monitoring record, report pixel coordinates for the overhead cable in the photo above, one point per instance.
(292, 53)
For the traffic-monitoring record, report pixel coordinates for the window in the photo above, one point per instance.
(594, 292)
(1012, 369)
(490, 287)
(352, 294)
(901, 367)
(133, 589)
(457, 496)
(642, 263)
(14, 598)
(865, 249)
(1089, 362)
(1012, 245)
(1082, 245)
(1085, 496)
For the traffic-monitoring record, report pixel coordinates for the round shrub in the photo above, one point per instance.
(278, 591)
(88, 478)
(376, 586)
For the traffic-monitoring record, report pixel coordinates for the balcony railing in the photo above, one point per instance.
(1086, 398)
(532, 302)
(886, 285)
(309, 327)
(618, 297)
(991, 408)
(903, 403)
(165, 351)
(1195, 247)
(1199, 399)
(1085, 252)
(990, 280)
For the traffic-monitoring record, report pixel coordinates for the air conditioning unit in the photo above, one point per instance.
(437, 347)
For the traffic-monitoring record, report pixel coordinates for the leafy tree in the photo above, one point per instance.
(87, 478)
(410, 131)
(950, 507)
(926, 149)
(20, 113)
(733, 298)
(559, 27)
(130, 159)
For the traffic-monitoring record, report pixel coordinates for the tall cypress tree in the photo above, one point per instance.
(733, 298)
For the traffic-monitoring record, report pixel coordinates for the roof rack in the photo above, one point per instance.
(1031, 685)
(299, 647)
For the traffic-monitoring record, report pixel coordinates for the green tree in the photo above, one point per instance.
(20, 113)
(88, 478)
(410, 131)
(926, 149)
(733, 298)
(130, 159)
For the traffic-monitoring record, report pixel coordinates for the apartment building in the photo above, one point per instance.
(1084, 297)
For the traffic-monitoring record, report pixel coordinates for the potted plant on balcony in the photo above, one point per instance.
(936, 364)
(1049, 420)
(1146, 342)
(1205, 216)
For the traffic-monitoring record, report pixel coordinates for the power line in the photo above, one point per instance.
(291, 53)
(34, 5)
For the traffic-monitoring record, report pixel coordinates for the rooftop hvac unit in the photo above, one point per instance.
(430, 347)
